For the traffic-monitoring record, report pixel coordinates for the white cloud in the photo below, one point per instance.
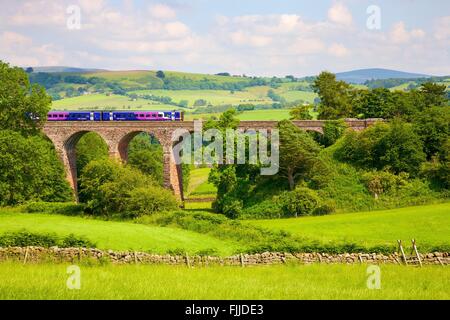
(338, 50)
(338, 13)
(162, 11)
(400, 35)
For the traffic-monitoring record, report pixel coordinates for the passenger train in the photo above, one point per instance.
(115, 116)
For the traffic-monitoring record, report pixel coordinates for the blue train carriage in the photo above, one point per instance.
(142, 116)
(74, 116)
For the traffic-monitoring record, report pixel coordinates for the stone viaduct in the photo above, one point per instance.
(117, 136)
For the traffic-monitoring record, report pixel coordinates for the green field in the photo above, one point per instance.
(429, 225)
(103, 101)
(199, 185)
(213, 97)
(274, 282)
(115, 235)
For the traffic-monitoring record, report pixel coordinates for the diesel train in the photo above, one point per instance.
(115, 116)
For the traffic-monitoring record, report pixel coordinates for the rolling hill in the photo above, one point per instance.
(362, 75)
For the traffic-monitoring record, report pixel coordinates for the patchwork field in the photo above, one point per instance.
(274, 282)
(103, 101)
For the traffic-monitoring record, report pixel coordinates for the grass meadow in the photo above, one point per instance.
(114, 234)
(294, 281)
(429, 225)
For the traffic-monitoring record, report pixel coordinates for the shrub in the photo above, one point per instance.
(324, 209)
(232, 207)
(300, 202)
(25, 238)
(143, 201)
(268, 209)
(395, 147)
(65, 208)
(108, 188)
(379, 182)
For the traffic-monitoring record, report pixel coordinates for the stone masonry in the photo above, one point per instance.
(117, 136)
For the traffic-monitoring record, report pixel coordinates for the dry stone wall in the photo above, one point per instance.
(64, 255)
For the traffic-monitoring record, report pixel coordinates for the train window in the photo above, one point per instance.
(61, 116)
(154, 115)
(160, 115)
(147, 115)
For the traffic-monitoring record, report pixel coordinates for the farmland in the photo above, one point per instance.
(273, 282)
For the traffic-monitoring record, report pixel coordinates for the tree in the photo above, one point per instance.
(334, 97)
(301, 112)
(108, 187)
(394, 146)
(298, 152)
(30, 170)
(29, 70)
(160, 74)
(433, 126)
(146, 154)
(434, 94)
(90, 147)
(23, 107)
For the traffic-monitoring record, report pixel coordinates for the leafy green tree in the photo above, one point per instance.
(23, 107)
(334, 97)
(160, 74)
(30, 170)
(108, 187)
(90, 147)
(298, 152)
(146, 154)
(301, 112)
(433, 126)
(435, 94)
(394, 146)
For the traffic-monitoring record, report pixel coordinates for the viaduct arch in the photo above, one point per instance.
(117, 136)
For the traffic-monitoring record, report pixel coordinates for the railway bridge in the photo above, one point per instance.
(117, 135)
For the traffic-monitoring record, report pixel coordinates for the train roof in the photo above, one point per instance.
(115, 110)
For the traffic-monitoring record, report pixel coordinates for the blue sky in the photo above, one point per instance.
(264, 37)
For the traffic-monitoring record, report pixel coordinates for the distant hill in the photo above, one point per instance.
(56, 69)
(362, 75)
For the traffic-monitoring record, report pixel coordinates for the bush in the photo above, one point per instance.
(25, 238)
(324, 209)
(268, 209)
(300, 202)
(379, 182)
(143, 201)
(232, 207)
(391, 146)
(108, 187)
(65, 208)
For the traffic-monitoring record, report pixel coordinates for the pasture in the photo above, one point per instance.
(429, 225)
(115, 235)
(176, 282)
(104, 102)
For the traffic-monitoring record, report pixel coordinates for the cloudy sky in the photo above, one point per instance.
(253, 37)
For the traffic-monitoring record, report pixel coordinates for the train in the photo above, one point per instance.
(115, 116)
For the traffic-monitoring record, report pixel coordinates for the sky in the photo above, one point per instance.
(252, 37)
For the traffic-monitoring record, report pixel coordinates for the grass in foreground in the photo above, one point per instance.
(429, 225)
(271, 282)
(115, 235)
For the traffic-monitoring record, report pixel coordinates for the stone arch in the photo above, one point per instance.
(172, 173)
(69, 157)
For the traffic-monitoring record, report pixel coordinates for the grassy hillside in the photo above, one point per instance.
(115, 235)
(274, 282)
(429, 225)
(103, 101)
